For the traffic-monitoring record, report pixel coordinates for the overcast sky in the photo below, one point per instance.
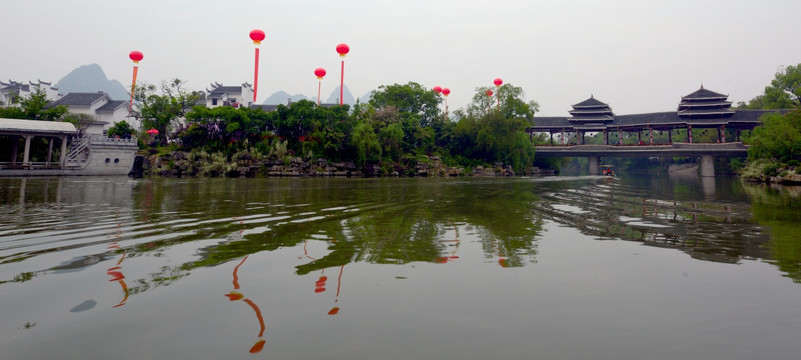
(637, 55)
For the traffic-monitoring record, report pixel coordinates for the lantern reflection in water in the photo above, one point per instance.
(116, 275)
(235, 295)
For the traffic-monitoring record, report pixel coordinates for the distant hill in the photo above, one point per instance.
(91, 78)
(366, 98)
(281, 97)
(334, 97)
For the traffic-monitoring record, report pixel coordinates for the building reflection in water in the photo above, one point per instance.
(453, 243)
(236, 295)
(702, 229)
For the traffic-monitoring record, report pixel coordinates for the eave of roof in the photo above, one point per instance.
(590, 103)
(79, 99)
(704, 94)
(36, 126)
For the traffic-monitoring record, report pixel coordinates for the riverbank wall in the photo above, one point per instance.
(183, 164)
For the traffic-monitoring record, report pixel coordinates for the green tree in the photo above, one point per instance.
(81, 122)
(778, 137)
(365, 142)
(496, 133)
(784, 92)
(512, 103)
(121, 129)
(160, 107)
(311, 129)
(411, 100)
(34, 107)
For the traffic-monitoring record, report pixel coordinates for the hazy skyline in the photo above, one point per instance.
(638, 56)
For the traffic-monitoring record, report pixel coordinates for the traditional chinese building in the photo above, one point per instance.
(11, 90)
(702, 109)
(106, 112)
(235, 96)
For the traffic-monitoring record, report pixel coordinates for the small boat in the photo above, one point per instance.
(607, 170)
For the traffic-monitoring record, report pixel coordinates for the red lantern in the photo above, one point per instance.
(257, 36)
(343, 49)
(136, 56)
(446, 91)
(320, 73)
(489, 92)
(437, 89)
(498, 82)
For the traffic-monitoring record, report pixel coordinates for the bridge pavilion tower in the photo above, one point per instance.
(591, 115)
(705, 108)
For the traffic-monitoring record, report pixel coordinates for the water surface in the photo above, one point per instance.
(554, 268)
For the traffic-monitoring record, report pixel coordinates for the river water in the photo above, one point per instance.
(637, 267)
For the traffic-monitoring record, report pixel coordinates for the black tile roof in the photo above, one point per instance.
(113, 105)
(704, 104)
(79, 99)
(705, 112)
(747, 118)
(591, 118)
(703, 94)
(590, 103)
(225, 90)
(586, 111)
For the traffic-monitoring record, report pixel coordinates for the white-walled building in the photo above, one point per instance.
(12, 89)
(235, 96)
(106, 112)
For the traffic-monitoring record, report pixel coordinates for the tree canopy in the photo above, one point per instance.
(784, 92)
(34, 107)
(399, 127)
(778, 137)
(160, 107)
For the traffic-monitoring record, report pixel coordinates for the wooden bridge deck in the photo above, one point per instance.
(733, 149)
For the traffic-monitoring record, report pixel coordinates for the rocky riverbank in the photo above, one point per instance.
(771, 172)
(193, 164)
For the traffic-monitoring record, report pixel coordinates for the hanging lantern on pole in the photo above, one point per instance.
(446, 92)
(498, 83)
(136, 57)
(320, 73)
(437, 89)
(257, 36)
(342, 50)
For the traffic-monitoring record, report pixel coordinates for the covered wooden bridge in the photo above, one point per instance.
(702, 109)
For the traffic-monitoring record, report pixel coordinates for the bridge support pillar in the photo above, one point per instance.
(707, 166)
(594, 170)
